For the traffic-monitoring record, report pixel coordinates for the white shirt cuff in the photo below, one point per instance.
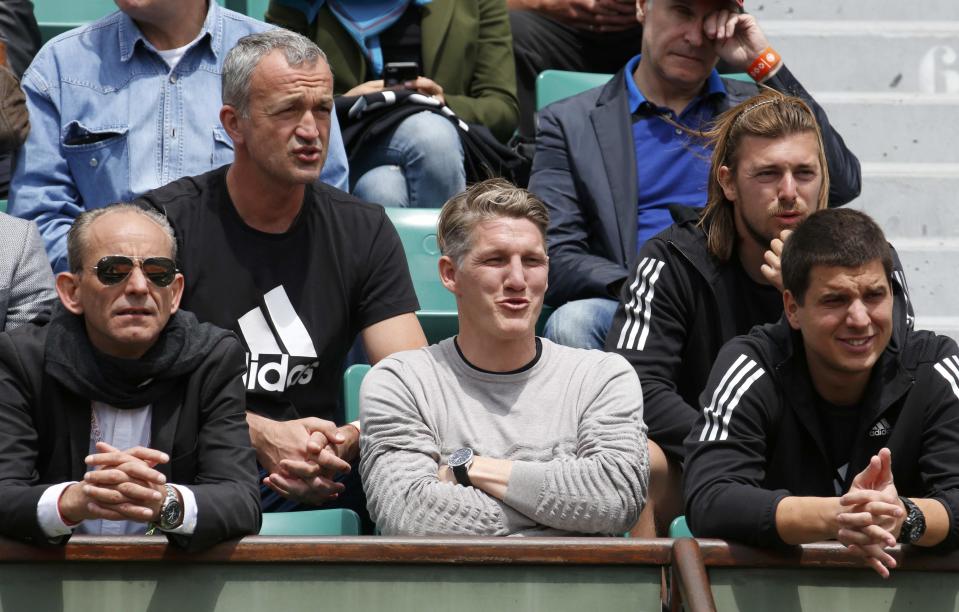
(48, 512)
(188, 526)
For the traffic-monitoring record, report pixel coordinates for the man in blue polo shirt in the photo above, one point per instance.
(611, 161)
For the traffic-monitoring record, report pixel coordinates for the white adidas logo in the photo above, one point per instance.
(880, 429)
(270, 367)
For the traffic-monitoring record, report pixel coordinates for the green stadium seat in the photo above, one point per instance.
(3, 206)
(417, 230)
(553, 85)
(336, 521)
(352, 379)
(679, 529)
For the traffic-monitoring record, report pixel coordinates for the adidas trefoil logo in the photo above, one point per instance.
(270, 367)
(880, 429)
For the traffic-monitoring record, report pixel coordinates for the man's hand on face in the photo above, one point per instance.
(123, 486)
(592, 15)
(873, 514)
(772, 270)
(301, 456)
(736, 37)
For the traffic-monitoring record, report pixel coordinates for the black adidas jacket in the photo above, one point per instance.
(761, 438)
(675, 313)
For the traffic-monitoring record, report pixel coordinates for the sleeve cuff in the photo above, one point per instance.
(188, 526)
(48, 512)
(525, 486)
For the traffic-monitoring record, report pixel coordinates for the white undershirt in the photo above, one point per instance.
(172, 57)
(121, 429)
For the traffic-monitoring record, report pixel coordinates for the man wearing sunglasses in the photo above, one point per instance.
(124, 415)
(298, 270)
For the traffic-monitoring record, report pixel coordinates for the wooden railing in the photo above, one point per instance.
(410, 573)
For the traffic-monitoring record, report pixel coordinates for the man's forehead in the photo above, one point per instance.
(273, 71)
(126, 230)
(504, 231)
(798, 147)
(835, 278)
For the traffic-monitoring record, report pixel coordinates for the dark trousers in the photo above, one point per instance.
(541, 43)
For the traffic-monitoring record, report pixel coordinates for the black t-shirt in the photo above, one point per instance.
(298, 299)
(840, 424)
(757, 304)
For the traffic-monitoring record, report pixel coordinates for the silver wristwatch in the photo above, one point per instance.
(171, 512)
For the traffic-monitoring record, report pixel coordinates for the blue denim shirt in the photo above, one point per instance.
(109, 121)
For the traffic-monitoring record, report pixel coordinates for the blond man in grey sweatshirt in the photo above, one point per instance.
(496, 431)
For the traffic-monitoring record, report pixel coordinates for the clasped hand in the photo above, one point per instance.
(122, 486)
(303, 457)
(872, 514)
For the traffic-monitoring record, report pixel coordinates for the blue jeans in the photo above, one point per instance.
(582, 323)
(417, 165)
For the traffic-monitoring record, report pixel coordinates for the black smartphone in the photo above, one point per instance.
(397, 73)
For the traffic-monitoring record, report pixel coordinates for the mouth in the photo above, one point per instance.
(134, 312)
(790, 218)
(859, 344)
(514, 304)
(307, 155)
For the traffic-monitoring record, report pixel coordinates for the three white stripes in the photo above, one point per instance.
(639, 308)
(949, 368)
(734, 384)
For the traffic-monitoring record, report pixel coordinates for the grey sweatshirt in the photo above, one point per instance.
(572, 425)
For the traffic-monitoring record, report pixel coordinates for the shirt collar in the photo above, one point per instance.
(714, 85)
(130, 34)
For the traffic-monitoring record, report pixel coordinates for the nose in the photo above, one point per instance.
(693, 34)
(858, 315)
(516, 275)
(307, 129)
(136, 282)
(787, 188)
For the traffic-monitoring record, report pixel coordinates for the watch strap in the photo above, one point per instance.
(462, 474)
(914, 525)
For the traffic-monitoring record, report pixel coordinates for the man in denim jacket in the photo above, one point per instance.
(126, 104)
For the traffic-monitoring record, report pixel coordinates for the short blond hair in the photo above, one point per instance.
(769, 114)
(483, 201)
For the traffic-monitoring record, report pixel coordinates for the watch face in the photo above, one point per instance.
(460, 457)
(170, 514)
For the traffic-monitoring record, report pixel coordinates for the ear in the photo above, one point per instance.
(791, 308)
(177, 287)
(231, 123)
(641, 11)
(448, 273)
(68, 288)
(725, 177)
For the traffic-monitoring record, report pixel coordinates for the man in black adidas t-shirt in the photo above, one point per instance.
(837, 423)
(297, 269)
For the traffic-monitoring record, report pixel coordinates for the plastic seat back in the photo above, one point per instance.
(335, 521)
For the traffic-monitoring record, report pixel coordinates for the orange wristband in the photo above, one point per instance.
(764, 64)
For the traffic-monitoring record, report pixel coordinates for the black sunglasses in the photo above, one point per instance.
(113, 269)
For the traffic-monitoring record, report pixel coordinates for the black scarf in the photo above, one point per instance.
(72, 360)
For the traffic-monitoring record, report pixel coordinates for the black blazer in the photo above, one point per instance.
(45, 435)
(585, 171)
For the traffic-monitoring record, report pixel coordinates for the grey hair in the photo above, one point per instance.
(77, 238)
(483, 201)
(243, 59)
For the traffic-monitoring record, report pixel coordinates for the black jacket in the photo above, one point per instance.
(45, 435)
(585, 171)
(772, 442)
(675, 313)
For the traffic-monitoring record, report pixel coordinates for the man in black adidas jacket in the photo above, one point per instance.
(827, 425)
(700, 282)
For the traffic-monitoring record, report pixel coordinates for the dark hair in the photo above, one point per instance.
(769, 114)
(483, 201)
(840, 237)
